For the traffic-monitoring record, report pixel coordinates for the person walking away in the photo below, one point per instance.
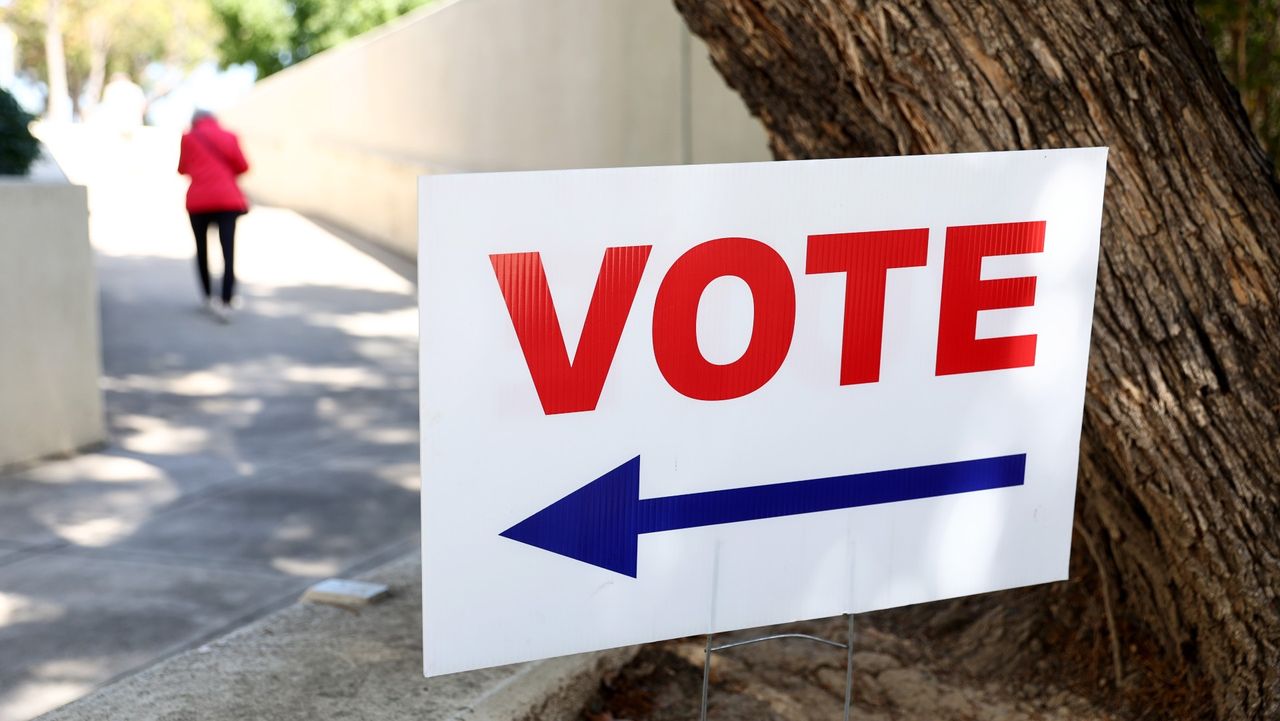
(213, 159)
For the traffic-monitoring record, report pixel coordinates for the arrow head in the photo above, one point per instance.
(596, 524)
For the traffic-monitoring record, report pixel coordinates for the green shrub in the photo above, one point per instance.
(18, 149)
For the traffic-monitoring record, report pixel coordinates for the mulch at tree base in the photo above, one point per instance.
(796, 680)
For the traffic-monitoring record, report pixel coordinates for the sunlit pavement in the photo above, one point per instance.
(244, 460)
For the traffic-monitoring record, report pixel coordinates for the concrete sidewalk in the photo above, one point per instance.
(244, 462)
(319, 662)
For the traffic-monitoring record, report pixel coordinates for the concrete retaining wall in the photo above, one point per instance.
(483, 85)
(50, 357)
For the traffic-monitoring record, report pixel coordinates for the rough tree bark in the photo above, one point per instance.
(1180, 463)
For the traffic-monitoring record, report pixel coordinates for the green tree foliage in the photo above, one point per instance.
(17, 148)
(274, 34)
(1246, 35)
(101, 37)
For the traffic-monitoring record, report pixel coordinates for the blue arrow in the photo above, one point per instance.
(601, 522)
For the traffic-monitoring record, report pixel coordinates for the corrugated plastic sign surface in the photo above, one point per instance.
(665, 401)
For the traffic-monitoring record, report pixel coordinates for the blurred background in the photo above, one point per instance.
(59, 58)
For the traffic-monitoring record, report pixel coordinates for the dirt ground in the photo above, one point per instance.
(798, 680)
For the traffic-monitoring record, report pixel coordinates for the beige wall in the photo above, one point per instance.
(480, 85)
(50, 402)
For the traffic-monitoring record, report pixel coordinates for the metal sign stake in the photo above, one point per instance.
(847, 645)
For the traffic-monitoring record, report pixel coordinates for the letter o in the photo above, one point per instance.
(675, 318)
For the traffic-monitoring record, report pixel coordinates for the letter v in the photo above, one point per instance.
(564, 386)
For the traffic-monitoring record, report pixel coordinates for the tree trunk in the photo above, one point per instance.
(99, 47)
(1179, 491)
(57, 108)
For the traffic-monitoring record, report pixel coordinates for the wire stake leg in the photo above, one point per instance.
(706, 677)
(848, 669)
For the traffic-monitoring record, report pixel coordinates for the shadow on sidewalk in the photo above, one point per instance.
(245, 461)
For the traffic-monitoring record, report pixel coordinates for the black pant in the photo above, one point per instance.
(226, 221)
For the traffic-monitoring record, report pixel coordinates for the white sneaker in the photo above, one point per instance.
(220, 312)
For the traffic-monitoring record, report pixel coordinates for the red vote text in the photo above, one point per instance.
(567, 383)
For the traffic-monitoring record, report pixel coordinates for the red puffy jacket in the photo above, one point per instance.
(212, 157)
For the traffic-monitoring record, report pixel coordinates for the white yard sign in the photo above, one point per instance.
(659, 402)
